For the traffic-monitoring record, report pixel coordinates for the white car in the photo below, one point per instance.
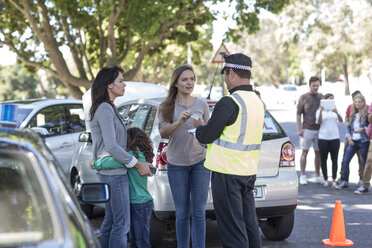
(60, 122)
(276, 188)
(288, 94)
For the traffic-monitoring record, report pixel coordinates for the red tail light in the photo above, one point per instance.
(161, 157)
(287, 155)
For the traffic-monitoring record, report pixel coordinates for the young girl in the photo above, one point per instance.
(139, 145)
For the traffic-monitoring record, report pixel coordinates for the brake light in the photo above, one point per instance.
(287, 155)
(161, 157)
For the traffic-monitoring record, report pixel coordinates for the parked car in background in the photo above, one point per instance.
(36, 207)
(60, 122)
(288, 94)
(276, 188)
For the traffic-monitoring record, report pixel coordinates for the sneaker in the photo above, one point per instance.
(342, 185)
(325, 184)
(339, 181)
(303, 180)
(361, 190)
(334, 184)
(319, 180)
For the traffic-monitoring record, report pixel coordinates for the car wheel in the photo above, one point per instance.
(278, 228)
(87, 208)
(157, 229)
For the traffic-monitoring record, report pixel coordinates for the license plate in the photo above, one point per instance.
(257, 192)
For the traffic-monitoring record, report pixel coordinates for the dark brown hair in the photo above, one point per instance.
(328, 95)
(166, 108)
(105, 76)
(313, 79)
(138, 140)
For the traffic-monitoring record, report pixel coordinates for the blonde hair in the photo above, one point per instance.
(362, 112)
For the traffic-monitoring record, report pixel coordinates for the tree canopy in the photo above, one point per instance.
(334, 34)
(102, 32)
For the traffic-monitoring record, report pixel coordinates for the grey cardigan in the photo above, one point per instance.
(109, 136)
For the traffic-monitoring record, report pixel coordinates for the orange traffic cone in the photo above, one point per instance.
(338, 237)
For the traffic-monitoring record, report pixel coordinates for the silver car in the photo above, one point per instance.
(276, 188)
(36, 207)
(60, 122)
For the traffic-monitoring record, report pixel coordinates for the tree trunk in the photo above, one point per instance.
(75, 91)
(346, 75)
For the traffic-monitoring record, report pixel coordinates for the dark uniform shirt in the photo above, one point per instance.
(224, 114)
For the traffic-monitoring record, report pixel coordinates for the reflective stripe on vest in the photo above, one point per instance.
(239, 144)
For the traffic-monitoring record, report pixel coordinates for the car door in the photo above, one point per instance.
(76, 124)
(59, 139)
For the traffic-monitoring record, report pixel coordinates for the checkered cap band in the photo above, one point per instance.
(241, 67)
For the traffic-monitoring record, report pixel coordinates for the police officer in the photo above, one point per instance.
(233, 135)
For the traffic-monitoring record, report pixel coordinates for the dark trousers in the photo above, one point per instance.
(235, 210)
(332, 147)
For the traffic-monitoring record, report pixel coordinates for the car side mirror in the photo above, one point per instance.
(93, 192)
(85, 137)
(40, 130)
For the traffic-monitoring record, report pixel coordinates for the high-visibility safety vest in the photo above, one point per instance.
(237, 150)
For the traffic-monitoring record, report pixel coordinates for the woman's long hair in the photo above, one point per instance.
(99, 92)
(138, 140)
(166, 108)
(362, 112)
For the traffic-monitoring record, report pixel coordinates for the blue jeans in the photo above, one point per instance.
(350, 151)
(140, 215)
(116, 224)
(189, 186)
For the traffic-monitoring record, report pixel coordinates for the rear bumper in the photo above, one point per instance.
(262, 213)
(274, 211)
(279, 195)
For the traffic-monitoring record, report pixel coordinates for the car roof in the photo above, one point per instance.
(141, 90)
(19, 137)
(41, 102)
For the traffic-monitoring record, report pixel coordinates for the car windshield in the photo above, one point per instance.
(21, 115)
(25, 212)
(290, 88)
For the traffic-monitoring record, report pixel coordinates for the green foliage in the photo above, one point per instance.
(272, 62)
(130, 33)
(332, 34)
(17, 83)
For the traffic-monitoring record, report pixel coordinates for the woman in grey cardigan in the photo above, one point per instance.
(109, 137)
